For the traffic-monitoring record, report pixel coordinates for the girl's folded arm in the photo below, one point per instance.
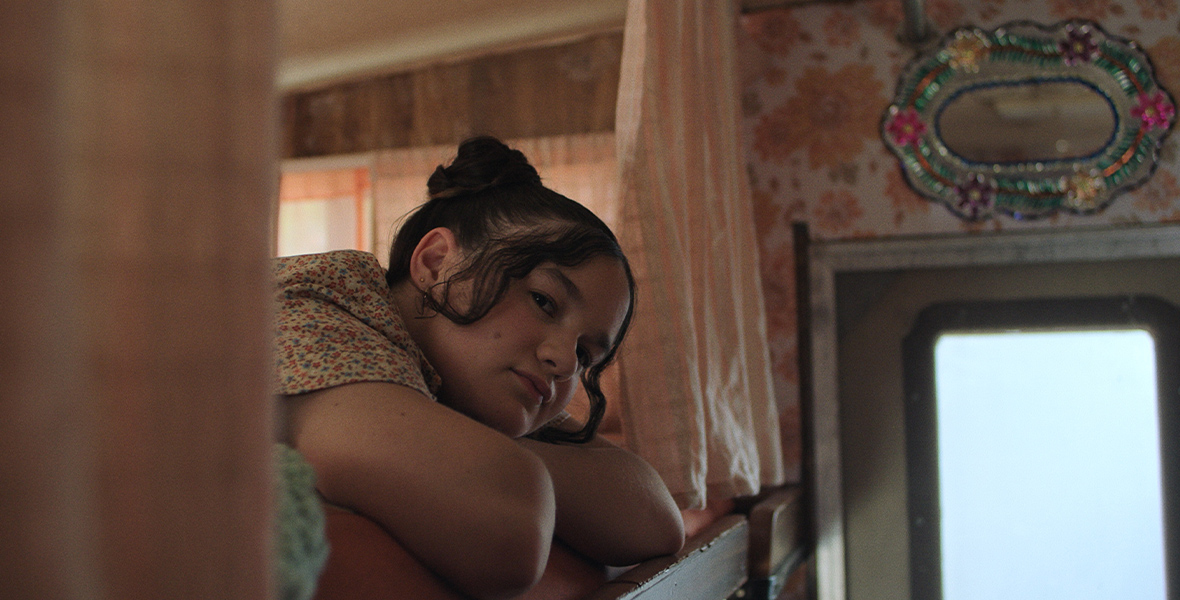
(611, 505)
(472, 505)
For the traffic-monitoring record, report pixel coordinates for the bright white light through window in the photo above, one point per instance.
(1049, 466)
(308, 226)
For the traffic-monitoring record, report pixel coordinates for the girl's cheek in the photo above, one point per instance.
(563, 395)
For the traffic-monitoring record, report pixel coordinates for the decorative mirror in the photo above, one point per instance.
(1028, 120)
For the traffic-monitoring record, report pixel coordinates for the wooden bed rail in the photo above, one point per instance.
(777, 543)
(736, 557)
(712, 566)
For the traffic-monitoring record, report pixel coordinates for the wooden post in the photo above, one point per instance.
(137, 173)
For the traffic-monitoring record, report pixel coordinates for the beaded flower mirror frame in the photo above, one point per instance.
(1027, 120)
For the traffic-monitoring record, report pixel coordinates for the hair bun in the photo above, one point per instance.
(481, 163)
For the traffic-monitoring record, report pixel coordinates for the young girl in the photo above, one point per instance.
(431, 398)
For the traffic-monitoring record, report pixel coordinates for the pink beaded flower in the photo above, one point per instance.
(1154, 110)
(905, 127)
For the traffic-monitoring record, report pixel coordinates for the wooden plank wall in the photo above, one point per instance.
(552, 90)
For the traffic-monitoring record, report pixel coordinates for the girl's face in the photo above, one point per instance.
(519, 366)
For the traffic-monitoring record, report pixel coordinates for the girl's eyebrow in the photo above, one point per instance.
(571, 288)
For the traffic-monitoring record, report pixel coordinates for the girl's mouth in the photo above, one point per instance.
(534, 383)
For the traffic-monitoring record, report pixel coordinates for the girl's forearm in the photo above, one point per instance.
(471, 505)
(611, 505)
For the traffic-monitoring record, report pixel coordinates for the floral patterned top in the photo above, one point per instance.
(337, 324)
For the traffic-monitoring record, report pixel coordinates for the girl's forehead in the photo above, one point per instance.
(599, 271)
(600, 284)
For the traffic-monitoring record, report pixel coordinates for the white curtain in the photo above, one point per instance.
(695, 371)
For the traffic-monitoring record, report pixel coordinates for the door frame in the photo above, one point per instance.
(827, 259)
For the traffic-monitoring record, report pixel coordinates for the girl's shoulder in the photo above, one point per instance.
(336, 323)
(349, 279)
(326, 267)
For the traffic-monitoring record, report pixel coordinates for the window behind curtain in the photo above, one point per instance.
(324, 209)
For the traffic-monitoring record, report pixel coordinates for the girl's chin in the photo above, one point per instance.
(513, 426)
(512, 423)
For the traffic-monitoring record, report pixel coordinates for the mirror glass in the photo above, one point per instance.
(1027, 120)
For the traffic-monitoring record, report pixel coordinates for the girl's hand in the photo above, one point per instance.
(611, 505)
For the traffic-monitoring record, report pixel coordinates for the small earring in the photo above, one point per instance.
(424, 303)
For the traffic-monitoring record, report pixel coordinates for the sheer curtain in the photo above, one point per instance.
(695, 371)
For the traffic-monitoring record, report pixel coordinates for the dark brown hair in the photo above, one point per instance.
(508, 222)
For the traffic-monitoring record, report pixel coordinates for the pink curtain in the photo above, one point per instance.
(696, 370)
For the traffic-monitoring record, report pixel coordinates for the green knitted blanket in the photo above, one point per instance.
(300, 546)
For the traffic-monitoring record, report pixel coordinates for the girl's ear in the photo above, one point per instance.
(434, 255)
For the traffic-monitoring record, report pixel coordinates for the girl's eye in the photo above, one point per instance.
(544, 302)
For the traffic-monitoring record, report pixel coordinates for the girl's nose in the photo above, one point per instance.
(559, 353)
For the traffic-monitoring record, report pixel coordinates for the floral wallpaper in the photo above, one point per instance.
(817, 80)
